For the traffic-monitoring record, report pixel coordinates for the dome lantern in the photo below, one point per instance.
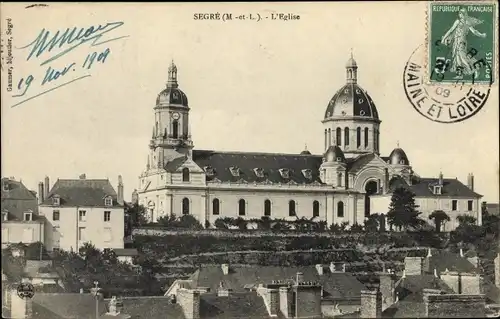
(351, 70)
(172, 76)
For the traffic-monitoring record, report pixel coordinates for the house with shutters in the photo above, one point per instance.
(79, 211)
(20, 221)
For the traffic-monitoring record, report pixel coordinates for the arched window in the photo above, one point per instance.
(339, 136)
(242, 207)
(340, 209)
(267, 207)
(366, 137)
(185, 206)
(175, 129)
(215, 206)
(358, 137)
(329, 137)
(346, 136)
(291, 208)
(185, 174)
(315, 208)
(339, 179)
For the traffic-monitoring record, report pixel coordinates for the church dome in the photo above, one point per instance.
(334, 154)
(351, 100)
(172, 94)
(398, 157)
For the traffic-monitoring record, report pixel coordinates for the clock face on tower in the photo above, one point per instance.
(175, 116)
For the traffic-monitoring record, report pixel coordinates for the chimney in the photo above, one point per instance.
(225, 269)
(439, 305)
(371, 304)
(120, 190)
(20, 307)
(470, 284)
(343, 267)
(319, 269)
(461, 252)
(223, 291)
(271, 300)
(452, 279)
(300, 278)
(286, 297)
(441, 178)
(332, 267)
(47, 186)
(41, 195)
(387, 289)
(83, 176)
(189, 301)
(307, 300)
(470, 181)
(414, 266)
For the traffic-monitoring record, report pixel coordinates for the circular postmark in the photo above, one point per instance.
(446, 103)
(25, 290)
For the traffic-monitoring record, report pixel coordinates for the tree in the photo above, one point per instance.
(466, 220)
(439, 217)
(356, 228)
(403, 210)
(135, 216)
(372, 223)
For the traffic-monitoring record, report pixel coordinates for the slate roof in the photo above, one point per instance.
(337, 285)
(82, 192)
(270, 164)
(423, 187)
(442, 260)
(405, 309)
(17, 199)
(150, 307)
(65, 305)
(410, 288)
(236, 305)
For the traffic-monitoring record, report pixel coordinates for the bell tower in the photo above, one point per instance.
(171, 137)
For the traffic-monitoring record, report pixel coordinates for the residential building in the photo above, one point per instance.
(349, 181)
(83, 210)
(20, 220)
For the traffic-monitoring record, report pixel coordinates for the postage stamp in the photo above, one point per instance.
(461, 42)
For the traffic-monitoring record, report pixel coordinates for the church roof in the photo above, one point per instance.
(246, 167)
(351, 100)
(423, 187)
(82, 192)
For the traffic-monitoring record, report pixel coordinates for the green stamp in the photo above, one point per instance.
(461, 42)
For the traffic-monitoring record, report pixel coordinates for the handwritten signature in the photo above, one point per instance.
(49, 47)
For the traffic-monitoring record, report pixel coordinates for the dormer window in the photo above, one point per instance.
(437, 190)
(5, 186)
(259, 172)
(108, 201)
(285, 173)
(28, 216)
(56, 200)
(307, 173)
(209, 170)
(235, 171)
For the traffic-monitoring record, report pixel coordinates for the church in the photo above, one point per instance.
(347, 183)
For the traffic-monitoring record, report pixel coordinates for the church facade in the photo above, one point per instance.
(347, 183)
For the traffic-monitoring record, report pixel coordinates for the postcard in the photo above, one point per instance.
(240, 160)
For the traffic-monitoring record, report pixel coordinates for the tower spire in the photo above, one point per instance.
(351, 70)
(172, 75)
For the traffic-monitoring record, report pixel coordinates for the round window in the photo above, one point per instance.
(360, 101)
(362, 112)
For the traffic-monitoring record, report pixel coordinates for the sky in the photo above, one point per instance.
(252, 86)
